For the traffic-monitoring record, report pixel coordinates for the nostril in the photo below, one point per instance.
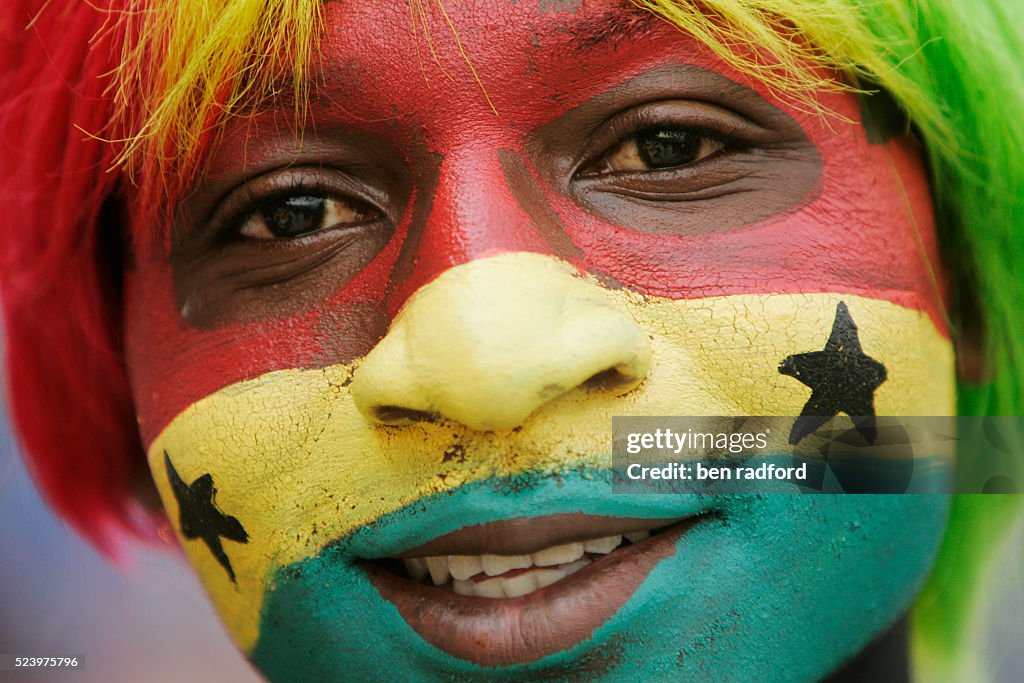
(396, 415)
(611, 379)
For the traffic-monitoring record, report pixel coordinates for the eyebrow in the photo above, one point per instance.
(630, 22)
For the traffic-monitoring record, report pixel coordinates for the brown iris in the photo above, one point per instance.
(299, 215)
(661, 148)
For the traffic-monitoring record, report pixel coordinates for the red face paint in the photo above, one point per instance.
(458, 167)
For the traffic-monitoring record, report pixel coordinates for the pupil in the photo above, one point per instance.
(295, 215)
(668, 147)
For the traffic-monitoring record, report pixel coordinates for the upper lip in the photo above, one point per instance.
(410, 531)
(525, 535)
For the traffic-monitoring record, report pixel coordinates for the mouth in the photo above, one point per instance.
(517, 590)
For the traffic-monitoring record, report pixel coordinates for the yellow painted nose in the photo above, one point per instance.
(491, 341)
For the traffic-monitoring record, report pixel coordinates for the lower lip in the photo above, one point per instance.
(501, 632)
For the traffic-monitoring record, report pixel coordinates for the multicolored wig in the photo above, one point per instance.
(102, 100)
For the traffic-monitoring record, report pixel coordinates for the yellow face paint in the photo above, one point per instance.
(295, 460)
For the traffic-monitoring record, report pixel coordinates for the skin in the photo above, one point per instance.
(428, 362)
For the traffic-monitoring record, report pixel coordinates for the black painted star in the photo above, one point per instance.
(842, 379)
(200, 518)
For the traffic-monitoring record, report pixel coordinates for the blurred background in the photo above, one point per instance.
(146, 622)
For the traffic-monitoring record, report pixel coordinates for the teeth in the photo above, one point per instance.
(464, 566)
(516, 586)
(575, 566)
(602, 546)
(512, 587)
(520, 585)
(546, 567)
(491, 588)
(559, 554)
(438, 567)
(546, 577)
(493, 565)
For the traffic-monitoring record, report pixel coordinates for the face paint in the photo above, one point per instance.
(490, 290)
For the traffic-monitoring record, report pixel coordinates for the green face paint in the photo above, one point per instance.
(777, 587)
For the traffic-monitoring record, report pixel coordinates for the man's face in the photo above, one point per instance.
(403, 332)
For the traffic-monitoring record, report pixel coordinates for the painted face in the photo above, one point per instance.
(403, 332)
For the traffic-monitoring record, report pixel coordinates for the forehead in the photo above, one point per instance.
(500, 59)
(444, 77)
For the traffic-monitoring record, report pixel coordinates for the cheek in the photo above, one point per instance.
(787, 592)
(173, 363)
(867, 228)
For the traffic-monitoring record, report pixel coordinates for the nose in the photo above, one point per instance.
(489, 342)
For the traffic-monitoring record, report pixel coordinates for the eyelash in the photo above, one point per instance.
(264, 194)
(627, 127)
(709, 124)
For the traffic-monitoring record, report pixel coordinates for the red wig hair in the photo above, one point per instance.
(60, 264)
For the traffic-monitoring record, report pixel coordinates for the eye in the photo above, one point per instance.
(677, 152)
(658, 148)
(298, 215)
